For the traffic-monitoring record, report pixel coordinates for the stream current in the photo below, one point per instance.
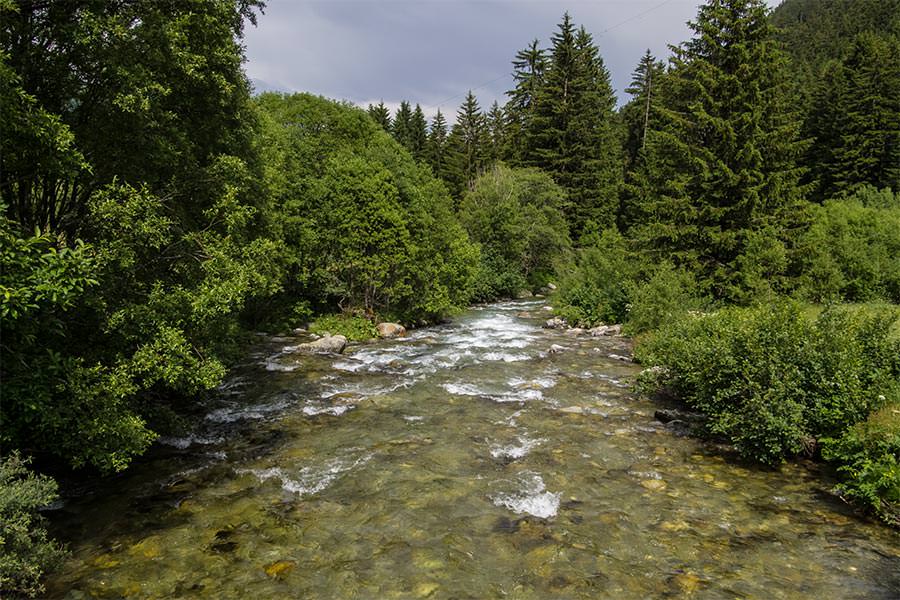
(462, 461)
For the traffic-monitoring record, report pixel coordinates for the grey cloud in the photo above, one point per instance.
(432, 51)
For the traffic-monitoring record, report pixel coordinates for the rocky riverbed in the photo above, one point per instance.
(486, 458)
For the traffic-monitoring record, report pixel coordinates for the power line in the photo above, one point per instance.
(607, 30)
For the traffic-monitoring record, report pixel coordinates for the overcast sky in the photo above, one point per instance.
(432, 51)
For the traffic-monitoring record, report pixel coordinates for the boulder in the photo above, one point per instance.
(329, 344)
(390, 330)
(556, 323)
(605, 330)
(556, 349)
(551, 287)
(524, 294)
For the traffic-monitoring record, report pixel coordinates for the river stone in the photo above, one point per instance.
(522, 295)
(556, 323)
(280, 568)
(556, 349)
(551, 287)
(329, 344)
(654, 485)
(390, 330)
(605, 330)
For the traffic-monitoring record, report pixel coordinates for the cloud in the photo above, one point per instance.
(432, 52)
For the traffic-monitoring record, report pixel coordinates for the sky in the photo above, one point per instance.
(431, 52)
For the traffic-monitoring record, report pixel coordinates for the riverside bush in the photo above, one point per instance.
(26, 553)
(772, 379)
(354, 328)
(869, 458)
(597, 289)
(668, 294)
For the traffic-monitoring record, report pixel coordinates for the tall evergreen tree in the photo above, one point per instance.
(418, 133)
(401, 128)
(720, 184)
(637, 114)
(467, 145)
(436, 154)
(573, 136)
(381, 115)
(528, 74)
(855, 119)
(497, 133)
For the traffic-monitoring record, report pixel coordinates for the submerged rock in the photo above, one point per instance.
(329, 344)
(390, 330)
(280, 568)
(556, 349)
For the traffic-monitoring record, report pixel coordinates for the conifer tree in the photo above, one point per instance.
(855, 120)
(436, 151)
(528, 74)
(573, 136)
(638, 113)
(467, 145)
(381, 115)
(496, 133)
(719, 187)
(401, 128)
(418, 133)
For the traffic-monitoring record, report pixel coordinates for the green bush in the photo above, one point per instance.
(597, 290)
(354, 328)
(771, 378)
(868, 456)
(26, 552)
(668, 294)
(852, 249)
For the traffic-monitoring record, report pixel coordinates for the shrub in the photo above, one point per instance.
(26, 552)
(352, 327)
(869, 459)
(852, 249)
(597, 290)
(667, 295)
(772, 379)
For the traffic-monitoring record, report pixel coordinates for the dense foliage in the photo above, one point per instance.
(368, 230)
(25, 550)
(516, 217)
(771, 379)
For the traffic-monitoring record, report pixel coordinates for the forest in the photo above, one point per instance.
(739, 215)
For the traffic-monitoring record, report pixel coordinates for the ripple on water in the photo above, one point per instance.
(515, 451)
(308, 480)
(530, 497)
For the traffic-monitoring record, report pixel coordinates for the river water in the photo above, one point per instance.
(463, 461)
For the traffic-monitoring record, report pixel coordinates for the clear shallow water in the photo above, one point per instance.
(463, 461)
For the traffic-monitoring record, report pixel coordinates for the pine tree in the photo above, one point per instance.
(572, 133)
(437, 146)
(418, 133)
(401, 128)
(381, 115)
(467, 145)
(528, 73)
(719, 187)
(496, 124)
(637, 114)
(855, 119)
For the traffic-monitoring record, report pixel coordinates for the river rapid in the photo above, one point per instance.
(462, 461)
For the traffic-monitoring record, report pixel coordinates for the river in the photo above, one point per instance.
(462, 461)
